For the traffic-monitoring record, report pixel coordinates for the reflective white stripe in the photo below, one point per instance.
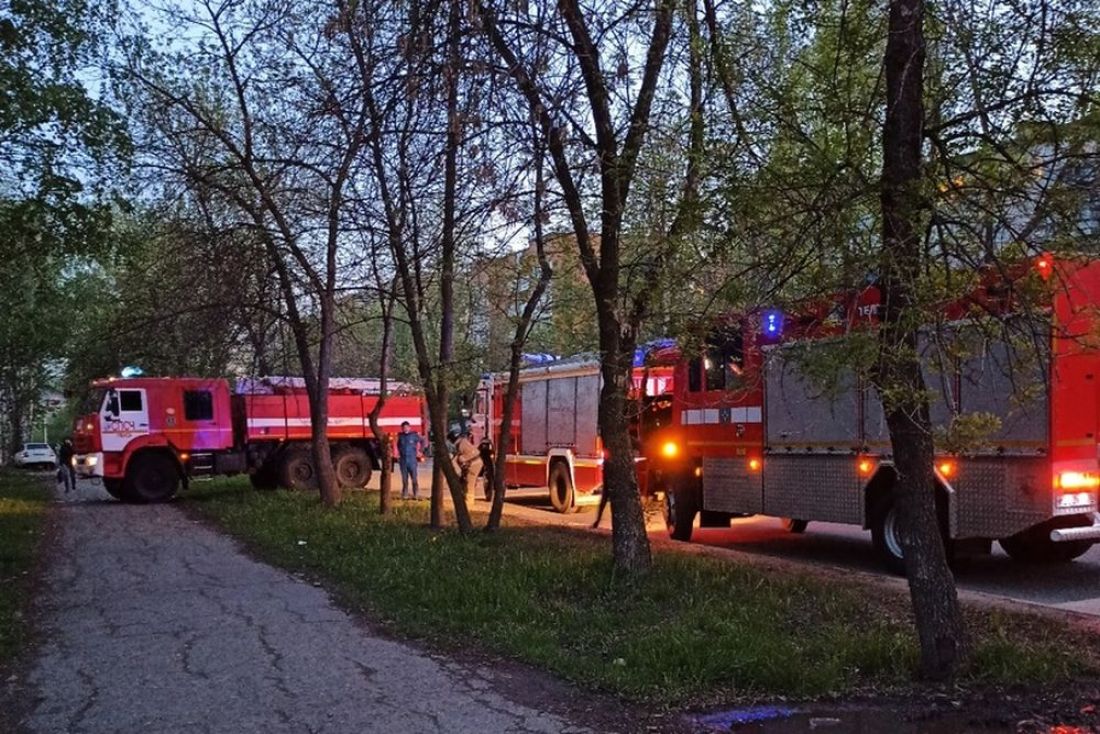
(714, 415)
(745, 415)
(337, 422)
(411, 420)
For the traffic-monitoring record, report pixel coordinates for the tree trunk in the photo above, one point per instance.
(15, 420)
(438, 398)
(385, 474)
(385, 440)
(630, 543)
(327, 484)
(436, 520)
(898, 373)
(523, 329)
(504, 440)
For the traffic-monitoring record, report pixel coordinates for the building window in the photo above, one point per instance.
(198, 405)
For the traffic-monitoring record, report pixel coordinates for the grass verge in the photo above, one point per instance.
(24, 500)
(695, 630)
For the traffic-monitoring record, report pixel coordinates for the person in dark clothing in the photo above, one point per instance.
(66, 471)
(409, 446)
(488, 465)
(604, 497)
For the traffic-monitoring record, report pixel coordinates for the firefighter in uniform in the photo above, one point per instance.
(468, 464)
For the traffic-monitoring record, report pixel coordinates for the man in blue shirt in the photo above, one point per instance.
(408, 456)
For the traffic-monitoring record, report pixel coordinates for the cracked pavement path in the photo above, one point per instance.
(153, 622)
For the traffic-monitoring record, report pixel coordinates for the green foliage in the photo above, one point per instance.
(24, 499)
(174, 298)
(694, 630)
(56, 143)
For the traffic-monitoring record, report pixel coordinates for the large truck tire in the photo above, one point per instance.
(885, 535)
(1035, 546)
(712, 519)
(561, 487)
(265, 478)
(296, 471)
(886, 538)
(353, 467)
(151, 477)
(792, 525)
(113, 487)
(681, 507)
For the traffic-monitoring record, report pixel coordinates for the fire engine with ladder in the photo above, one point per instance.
(144, 436)
(749, 425)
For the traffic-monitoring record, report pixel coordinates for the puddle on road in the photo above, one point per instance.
(783, 720)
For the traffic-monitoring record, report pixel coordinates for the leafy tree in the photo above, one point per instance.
(57, 143)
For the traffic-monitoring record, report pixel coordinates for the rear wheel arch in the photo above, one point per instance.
(876, 492)
(881, 518)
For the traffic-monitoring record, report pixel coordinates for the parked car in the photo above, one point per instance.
(36, 455)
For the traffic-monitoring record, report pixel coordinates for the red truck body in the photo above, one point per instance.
(555, 442)
(746, 425)
(200, 427)
(757, 430)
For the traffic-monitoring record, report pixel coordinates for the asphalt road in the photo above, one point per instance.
(152, 622)
(1072, 586)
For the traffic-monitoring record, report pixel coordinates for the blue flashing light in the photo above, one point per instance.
(539, 358)
(642, 352)
(131, 371)
(771, 323)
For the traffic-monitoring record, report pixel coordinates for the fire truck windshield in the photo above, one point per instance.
(92, 401)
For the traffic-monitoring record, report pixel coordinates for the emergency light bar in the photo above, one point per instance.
(771, 323)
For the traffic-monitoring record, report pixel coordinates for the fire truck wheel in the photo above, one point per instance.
(296, 471)
(681, 506)
(151, 477)
(1035, 546)
(264, 479)
(884, 535)
(712, 519)
(114, 488)
(795, 526)
(353, 468)
(561, 487)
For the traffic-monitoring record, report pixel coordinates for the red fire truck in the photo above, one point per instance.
(756, 423)
(761, 425)
(555, 437)
(145, 435)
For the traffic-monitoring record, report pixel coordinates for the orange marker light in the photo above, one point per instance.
(947, 468)
(1076, 480)
(754, 464)
(1045, 265)
(185, 456)
(865, 467)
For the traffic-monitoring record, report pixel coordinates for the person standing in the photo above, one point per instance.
(468, 464)
(409, 446)
(604, 497)
(66, 468)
